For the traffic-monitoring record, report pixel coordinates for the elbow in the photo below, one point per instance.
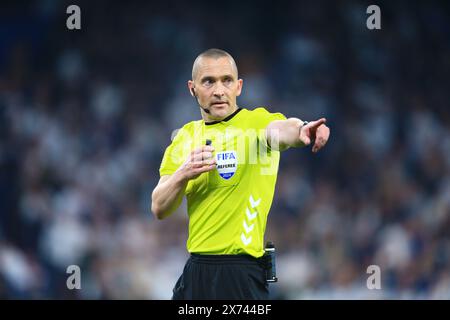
(157, 212)
(156, 209)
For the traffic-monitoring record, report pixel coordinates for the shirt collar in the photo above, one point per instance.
(226, 119)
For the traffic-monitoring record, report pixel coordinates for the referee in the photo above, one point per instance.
(226, 166)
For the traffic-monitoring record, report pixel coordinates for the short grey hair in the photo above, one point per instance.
(215, 54)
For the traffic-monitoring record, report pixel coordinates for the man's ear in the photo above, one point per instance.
(190, 85)
(240, 84)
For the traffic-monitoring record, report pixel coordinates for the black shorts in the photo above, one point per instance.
(227, 277)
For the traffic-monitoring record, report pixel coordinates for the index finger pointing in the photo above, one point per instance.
(317, 123)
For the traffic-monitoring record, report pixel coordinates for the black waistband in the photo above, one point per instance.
(225, 259)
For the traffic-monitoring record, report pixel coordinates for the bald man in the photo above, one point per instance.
(228, 182)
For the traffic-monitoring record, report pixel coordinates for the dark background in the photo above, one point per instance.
(85, 116)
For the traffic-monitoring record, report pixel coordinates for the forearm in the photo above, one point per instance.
(283, 134)
(167, 196)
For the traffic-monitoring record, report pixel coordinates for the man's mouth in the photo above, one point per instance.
(219, 103)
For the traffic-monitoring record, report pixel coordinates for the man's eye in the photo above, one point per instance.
(207, 82)
(228, 81)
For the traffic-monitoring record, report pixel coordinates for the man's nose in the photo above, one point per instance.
(219, 90)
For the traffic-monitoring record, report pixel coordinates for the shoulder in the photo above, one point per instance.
(188, 129)
(262, 111)
(264, 114)
(192, 125)
(258, 110)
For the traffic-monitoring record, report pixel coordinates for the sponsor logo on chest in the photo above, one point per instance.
(226, 163)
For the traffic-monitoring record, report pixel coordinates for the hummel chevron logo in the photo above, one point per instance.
(254, 203)
(247, 228)
(250, 215)
(246, 240)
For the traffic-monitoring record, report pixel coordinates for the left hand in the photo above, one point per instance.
(317, 131)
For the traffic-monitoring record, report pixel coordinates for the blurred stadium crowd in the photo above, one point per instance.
(85, 117)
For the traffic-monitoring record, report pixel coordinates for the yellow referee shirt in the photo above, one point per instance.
(228, 206)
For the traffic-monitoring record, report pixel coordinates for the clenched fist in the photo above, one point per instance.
(199, 160)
